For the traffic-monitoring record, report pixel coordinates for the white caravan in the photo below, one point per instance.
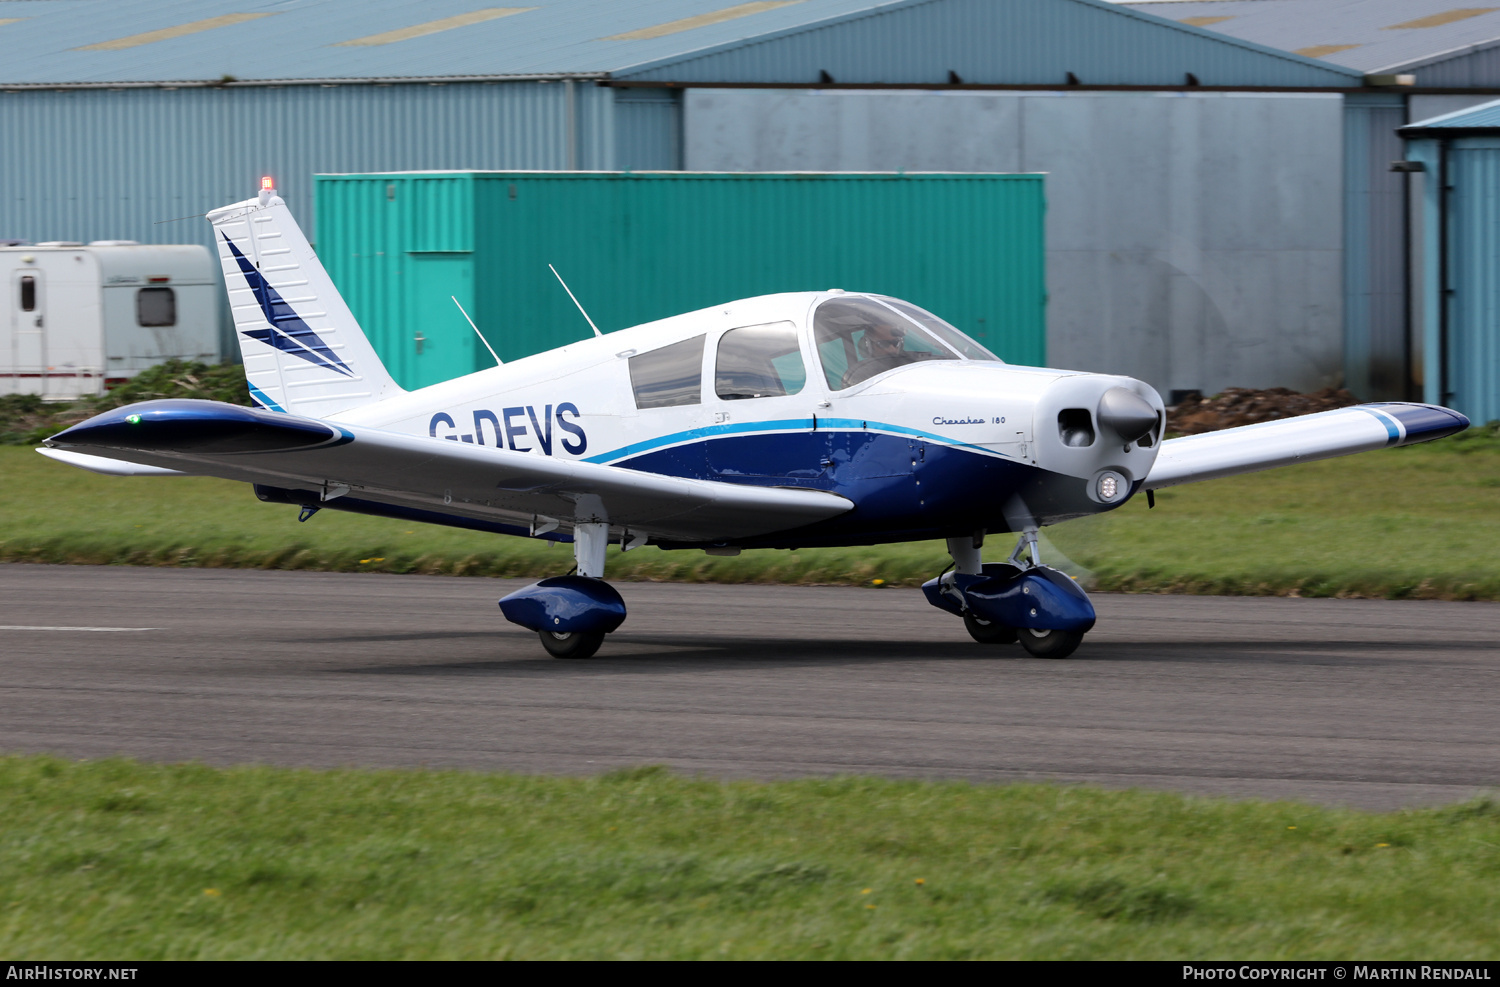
(83, 317)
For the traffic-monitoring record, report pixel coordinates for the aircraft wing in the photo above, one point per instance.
(1324, 435)
(237, 443)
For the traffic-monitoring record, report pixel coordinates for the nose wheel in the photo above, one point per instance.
(1049, 644)
(577, 644)
(1003, 603)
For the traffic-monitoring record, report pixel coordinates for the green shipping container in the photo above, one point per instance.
(639, 247)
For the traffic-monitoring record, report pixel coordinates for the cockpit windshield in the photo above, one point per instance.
(859, 337)
(967, 348)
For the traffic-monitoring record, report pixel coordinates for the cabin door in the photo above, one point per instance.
(28, 341)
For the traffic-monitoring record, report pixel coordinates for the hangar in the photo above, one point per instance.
(1439, 58)
(1196, 181)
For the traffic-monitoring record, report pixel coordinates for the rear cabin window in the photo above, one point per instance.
(156, 307)
(28, 294)
(670, 376)
(759, 362)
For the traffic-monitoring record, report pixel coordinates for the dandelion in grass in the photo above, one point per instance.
(212, 892)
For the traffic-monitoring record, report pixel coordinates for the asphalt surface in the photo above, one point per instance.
(1357, 702)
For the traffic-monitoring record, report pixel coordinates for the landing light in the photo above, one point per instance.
(1109, 487)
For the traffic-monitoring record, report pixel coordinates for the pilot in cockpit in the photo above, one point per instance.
(881, 340)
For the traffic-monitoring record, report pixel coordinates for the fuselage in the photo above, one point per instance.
(786, 390)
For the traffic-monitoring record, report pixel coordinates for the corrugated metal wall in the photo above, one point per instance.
(1001, 42)
(1475, 67)
(102, 165)
(648, 129)
(1473, 377)
(640, 247)
(1193, 241)
(1376, 345)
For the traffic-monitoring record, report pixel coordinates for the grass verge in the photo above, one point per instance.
(1421, 522)
(132, 861)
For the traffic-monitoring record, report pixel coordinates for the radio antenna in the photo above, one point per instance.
(498, 362)
(575, 300)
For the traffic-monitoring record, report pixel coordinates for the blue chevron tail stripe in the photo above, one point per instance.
(288, 332)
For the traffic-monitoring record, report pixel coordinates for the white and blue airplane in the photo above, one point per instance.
(784, 421)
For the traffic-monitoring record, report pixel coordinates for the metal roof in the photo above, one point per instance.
(1373, 36)
(230, 42)
(1476, 121)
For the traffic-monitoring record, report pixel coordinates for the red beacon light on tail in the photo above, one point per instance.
(267, 184)
(267, 189)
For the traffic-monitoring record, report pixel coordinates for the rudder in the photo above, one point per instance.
(304, 352)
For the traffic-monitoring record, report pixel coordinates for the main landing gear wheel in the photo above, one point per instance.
(987, 631)
(579, 644)
(1049, 644)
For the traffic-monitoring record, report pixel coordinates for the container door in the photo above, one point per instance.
(440, 345)
(29, 330)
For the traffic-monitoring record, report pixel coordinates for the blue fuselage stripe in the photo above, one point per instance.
(782, 425)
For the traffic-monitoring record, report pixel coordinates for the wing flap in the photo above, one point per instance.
(254, 446)
(1250, 448)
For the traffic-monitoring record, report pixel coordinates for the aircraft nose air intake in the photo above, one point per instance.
(1126, 413)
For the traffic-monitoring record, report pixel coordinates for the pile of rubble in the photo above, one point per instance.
(1244, 406)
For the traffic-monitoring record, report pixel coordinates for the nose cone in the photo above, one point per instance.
(1126, 413)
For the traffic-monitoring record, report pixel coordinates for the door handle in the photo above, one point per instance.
(420, 339)
(39, 322)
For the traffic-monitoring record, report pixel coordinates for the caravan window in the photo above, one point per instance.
(759, 362)
(28, 294)
(670, 376)
(156, 307)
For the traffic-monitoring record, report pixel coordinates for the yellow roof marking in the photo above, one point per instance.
(1318, 51)
(702, 20)
(1446, 17)
(10, 20)
(1203, 21)
(432, 27)
(168, 33)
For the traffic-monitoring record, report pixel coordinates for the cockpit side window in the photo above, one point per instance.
(670, 376)
(967, 348)
(759, 362)
(858, 338)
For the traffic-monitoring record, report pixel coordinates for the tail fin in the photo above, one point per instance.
(303, 351)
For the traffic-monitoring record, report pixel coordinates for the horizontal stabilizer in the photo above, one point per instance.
(1266, 445)
(453, 478)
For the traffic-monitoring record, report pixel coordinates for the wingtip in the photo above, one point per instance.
(1424, 422)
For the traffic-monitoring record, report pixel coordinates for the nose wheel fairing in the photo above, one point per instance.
(1039, 597)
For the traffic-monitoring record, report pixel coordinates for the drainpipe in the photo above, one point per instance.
(1445, 289)
(571, 98)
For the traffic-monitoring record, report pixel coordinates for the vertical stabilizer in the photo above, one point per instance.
(303, 351)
